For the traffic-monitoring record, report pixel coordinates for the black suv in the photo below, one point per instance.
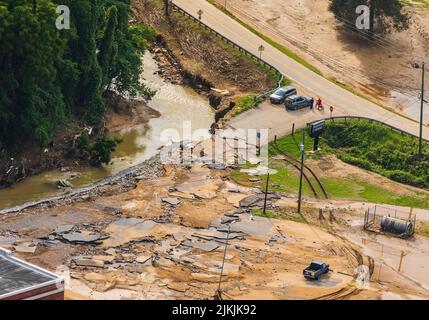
(297, 102)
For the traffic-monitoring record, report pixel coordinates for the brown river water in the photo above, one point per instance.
(175, 103)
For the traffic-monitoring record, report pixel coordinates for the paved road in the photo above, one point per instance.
(344, 102)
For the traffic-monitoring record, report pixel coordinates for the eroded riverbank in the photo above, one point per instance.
(175, 104)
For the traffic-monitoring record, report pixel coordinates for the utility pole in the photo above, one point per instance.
(218, 295)
(266, 193)
(167, 8)
(302, 147)
(421, 113)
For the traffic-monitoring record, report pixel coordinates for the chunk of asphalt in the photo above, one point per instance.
(207, 246)
(171, 200)
(254, 199)
(64, 228)
(88, 262)
(81, 237)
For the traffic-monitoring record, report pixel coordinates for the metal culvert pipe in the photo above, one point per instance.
(397, 227)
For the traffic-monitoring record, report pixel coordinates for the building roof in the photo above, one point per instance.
(18, 276)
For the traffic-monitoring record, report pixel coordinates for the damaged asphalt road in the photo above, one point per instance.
(164, 238)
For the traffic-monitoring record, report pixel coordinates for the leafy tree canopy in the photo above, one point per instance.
(385, 15)
(49, 75)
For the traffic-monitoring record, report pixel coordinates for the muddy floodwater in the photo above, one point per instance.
(176, 105)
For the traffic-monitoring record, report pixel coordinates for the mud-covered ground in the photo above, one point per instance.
(160, 233)
(385, 68)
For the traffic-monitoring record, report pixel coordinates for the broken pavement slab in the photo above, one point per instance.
(82, 237)
(88, 262)
(257, 226)
(171, 200)
(126, 230)
(143, 259)
(254, 199)
(207, 246)
(28, 247)
(105, 259)
(63, 229)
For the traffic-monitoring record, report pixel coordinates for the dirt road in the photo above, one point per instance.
(317, 85)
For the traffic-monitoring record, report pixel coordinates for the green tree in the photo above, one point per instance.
(46, 74)
(31, 101)
(109, 48)
(385, 15)
(102, 149)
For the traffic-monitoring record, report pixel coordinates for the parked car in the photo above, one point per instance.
(298, 102)
(315, 270)
(281, 94)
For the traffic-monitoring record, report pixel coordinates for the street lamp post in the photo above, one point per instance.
(266, 193)
(302, 148)
(421, 114)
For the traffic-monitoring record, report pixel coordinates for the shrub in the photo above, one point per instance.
(362, 163)
(378, 148)
(407, 178)
(102, 149)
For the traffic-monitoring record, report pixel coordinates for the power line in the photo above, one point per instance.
(350, 69)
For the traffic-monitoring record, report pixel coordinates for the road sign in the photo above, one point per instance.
(316, 130)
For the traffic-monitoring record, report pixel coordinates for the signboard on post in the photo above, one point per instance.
(261, 49)
(200, 14)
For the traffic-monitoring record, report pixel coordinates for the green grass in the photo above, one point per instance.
(361, 190)
(418, 3)
(287, 179)
(377, 148)
(337, 188)
(243, 104)
(290, 143)
(278, 215)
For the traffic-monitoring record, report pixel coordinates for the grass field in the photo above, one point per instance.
(287, 178)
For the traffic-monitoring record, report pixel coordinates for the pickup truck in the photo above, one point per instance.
(315, 270)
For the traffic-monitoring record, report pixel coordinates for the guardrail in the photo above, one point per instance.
(234, 45)
(267, 64)
(369, 119)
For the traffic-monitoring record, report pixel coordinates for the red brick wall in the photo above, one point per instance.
(36, 292)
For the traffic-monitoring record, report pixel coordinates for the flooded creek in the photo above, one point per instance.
(175, 103)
